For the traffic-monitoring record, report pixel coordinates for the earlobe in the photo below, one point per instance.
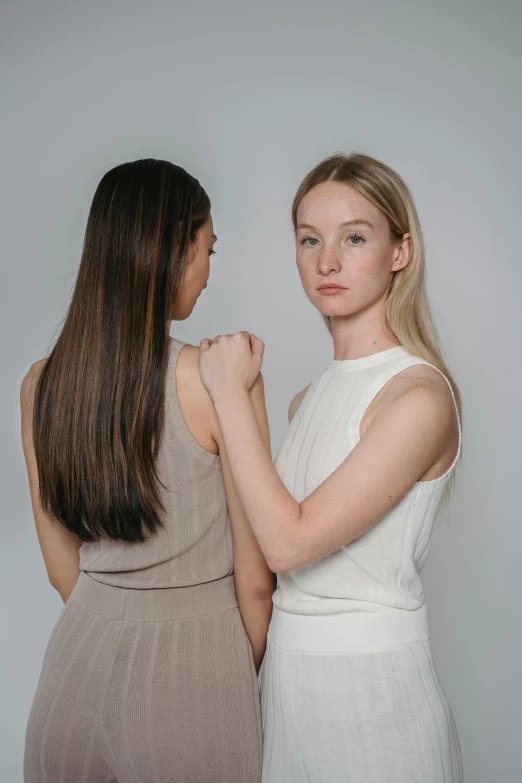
(400, 263)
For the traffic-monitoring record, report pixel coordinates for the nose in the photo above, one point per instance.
(328, 261)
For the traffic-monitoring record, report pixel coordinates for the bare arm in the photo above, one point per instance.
(254, 581)
(60, 548)
(398, 448)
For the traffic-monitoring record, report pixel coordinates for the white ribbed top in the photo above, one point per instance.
(380, 569)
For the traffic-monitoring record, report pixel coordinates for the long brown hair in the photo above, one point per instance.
(99, 402)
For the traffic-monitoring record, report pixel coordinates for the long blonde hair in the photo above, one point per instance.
(407, 314)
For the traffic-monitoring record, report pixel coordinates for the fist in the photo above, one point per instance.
(229, 363)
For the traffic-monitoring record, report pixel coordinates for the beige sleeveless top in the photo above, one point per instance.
(195, 543)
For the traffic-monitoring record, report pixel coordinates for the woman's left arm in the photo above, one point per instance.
(60, 548)
(400, 445)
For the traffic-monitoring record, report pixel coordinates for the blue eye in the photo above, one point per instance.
(311, 240)
(358, 239)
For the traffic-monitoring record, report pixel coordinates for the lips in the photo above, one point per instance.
(329, 290)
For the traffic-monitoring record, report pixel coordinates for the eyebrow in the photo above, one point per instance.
(356, 222)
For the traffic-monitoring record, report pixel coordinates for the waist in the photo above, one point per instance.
(349, 632)
(156, 604)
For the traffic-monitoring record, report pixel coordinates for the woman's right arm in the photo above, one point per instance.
(254, 581)
(60, 548)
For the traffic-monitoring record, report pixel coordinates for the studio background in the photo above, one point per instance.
(248, 97)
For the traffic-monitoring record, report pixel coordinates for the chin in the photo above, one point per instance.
(182, 313)
(336, 308)
(331, 310)
(183, 310)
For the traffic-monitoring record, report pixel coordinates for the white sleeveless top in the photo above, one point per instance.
(380, 569)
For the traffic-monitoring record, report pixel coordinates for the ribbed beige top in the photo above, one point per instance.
(195, 544)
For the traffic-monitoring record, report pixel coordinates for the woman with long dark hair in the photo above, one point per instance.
(349, 688)
(150, 673)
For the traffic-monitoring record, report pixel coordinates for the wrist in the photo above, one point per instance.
(231, 399)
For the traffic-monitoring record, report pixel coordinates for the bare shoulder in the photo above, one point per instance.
(188, 361)
(188, 377)
(195, 402)
(296, 402)
(423, 382)
(420, 391)
(29, 382)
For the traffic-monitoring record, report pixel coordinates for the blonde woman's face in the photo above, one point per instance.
(197, 272)
(346, 254)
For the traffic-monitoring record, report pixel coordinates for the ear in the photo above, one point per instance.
(402, 253)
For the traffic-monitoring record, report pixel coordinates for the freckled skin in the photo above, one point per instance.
(358, 257)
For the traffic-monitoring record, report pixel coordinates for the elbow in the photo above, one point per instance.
(252, 589)
(252, 596)
(278, 567)
(273, 562)
(58, 587)
(53, 580)
(287, 558)
(56, 583)
(257, 592)
(288, 551)
(279, 562)
(281, 557)
(63, 584)
(264, 594)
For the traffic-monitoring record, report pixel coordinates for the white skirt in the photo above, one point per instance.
(355, 698)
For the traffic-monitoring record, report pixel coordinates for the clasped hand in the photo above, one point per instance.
(230, 363)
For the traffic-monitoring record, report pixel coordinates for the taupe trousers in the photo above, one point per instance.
(146, 686)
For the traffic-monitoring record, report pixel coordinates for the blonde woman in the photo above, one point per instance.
(349, 691)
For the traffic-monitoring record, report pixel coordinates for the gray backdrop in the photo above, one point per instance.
(248, 96)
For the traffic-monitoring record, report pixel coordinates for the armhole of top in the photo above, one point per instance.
(174, 408)
(376, 387)
(301, 405)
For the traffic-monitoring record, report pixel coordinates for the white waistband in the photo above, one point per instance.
(349, 632)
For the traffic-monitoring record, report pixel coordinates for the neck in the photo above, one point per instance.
(361, 334)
